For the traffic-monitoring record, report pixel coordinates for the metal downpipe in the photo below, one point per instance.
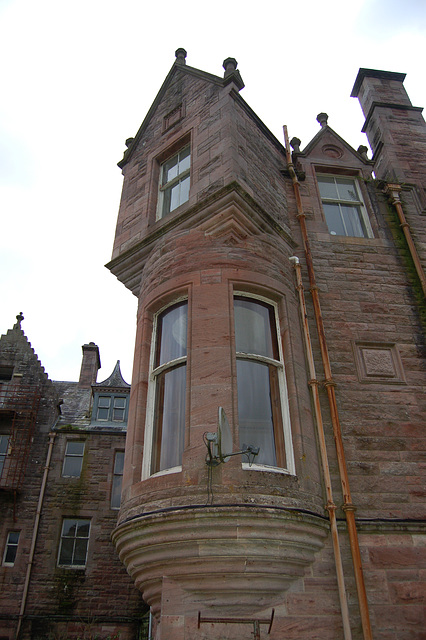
(348, 507)
(52, 437)
(330, 506)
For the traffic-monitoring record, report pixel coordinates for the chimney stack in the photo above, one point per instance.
(90, 365)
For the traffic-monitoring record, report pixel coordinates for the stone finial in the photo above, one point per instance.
(362, 150)
(180, 56)
(322, 118)
(19, 318)
(295, 144)
(230, 65)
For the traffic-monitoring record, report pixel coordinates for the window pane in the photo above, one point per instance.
(174, 196)
(119, 462)
(169, 420)
(72, 467)
(184, 160)
(184, 190)
(353, 221)
(118, 415)
(13, 537)
(116, 492)
(327, 187)
(67, 547)
(80, 550)
(69, 528)
(83, 527)
(171, 337)
(102, 414)
(253, 321)
(4, 444)
(347, 189)
(334, 219)
(254, 410)
(104, 401)
(170, 170)
(120, 402)
(10, 555)
(75, 448)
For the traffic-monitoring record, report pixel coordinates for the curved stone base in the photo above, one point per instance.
(252, 552)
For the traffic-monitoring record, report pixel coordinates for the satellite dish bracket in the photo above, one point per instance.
(218, 443)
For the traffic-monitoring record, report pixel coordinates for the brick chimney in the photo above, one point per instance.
(90, 364)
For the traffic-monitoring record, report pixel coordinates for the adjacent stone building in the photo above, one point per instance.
(62, 451)
(273, 476)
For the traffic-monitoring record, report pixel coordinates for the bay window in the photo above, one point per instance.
(164, 438)
(262, 399)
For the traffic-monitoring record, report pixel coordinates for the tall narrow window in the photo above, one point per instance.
(260, 383)
(168, 388)
(73, 461)
(117, 480)
(175, 179)
(344, 209)
(11, 548)
(74, 542)
(4, 451)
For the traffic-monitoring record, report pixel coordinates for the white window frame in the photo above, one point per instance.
(282, 385)
(356, 204)
(8, 545)
(163, 188)
(151, 397)
(72, 565)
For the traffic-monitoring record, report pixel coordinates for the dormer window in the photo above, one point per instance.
(111, 408)
(344, 209)
(174, 183)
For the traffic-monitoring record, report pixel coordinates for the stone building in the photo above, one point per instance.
(283, 292)
(272, 479)
(61, 461)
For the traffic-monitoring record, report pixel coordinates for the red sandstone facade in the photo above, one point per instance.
(208, 545)
(216, 224)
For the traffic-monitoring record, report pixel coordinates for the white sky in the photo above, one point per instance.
(77, 79)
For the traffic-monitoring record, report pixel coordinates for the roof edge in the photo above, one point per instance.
(375, 73)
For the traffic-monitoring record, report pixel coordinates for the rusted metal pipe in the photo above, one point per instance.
(52, 437)
(393, 190)
(330, 506)
(348, 507)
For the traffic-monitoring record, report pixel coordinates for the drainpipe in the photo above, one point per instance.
(330, 506)
(392, 190)
(52, 437)
(348, 506)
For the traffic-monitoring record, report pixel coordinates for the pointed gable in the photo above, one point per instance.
(114, 381)
(328, 147)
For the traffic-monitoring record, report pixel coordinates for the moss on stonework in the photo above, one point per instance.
(66, 586)
(407, 260)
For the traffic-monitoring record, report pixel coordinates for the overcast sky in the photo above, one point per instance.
(77, 79)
